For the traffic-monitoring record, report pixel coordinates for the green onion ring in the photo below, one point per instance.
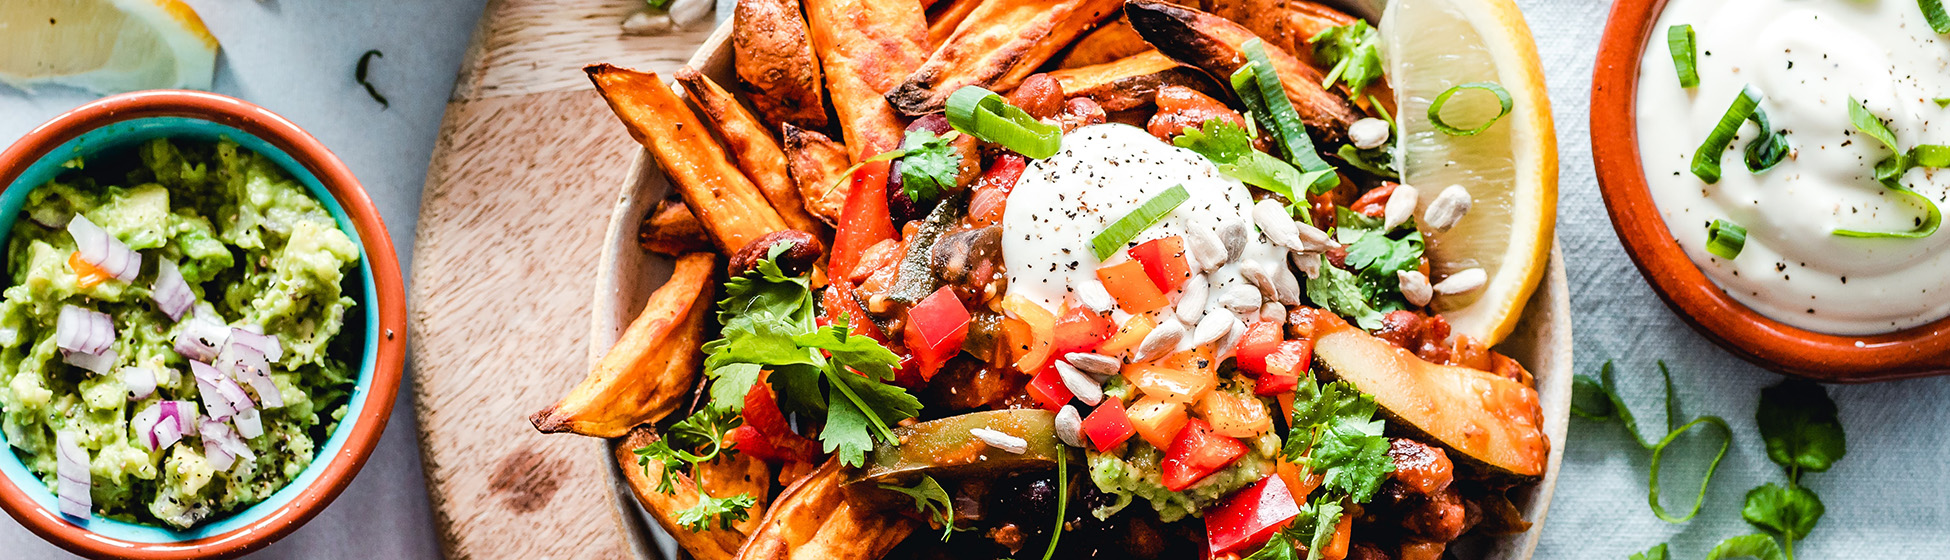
(1706, 161)
(987, 116)
(1128, 227)
(1435, 108)
(1933, 12)
(1725, 239)
(1679, 39)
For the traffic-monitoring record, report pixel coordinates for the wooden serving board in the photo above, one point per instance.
(517, 198)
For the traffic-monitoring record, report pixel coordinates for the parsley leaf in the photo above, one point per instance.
(1746, 546)
(1654, 553)
(724, 511)
(1801, 427)
(931, 164)
(697, 439)
(1340, 291)
(1790, 512)
(931, 499)
(1354, 50)
(1231, 150)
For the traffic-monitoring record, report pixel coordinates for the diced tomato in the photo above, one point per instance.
(86, 275)
(1003, 172)
(1196, 453)
(747, 440)
(1080, 330)
(1163, 260)
(1285, 367)
(1131, 287)
(1373, 202)
(1250, 517)
(864, 220)
(1300, 322)
(1157, 420)
(935, 329)
(1234, 415)
(1108, 426)
(1048, 390)
(991, 197)
(1261, 340)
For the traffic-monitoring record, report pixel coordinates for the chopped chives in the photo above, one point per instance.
(1933, 12)
(1725, 239)
(1435, 108)
(1706, 161)
(986, 115)
(1679, 39)
(1128, 227)
(1279, 113)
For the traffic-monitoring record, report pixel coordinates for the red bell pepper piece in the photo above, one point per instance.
(1285, 367)
(1164, 261)
(1261, 340)
(864, 220)
(837, 301)
(1048, 390)
(1250, 517)
(747, 440)
(1080, 330)
(935, 330)
(762, 414)
(1196, 453)
(1108, 425)
(1003, 172)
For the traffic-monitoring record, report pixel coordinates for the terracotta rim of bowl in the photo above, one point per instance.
(1914, 352)
(370, 423)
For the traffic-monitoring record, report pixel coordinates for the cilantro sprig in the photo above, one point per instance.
(929, 164)
(1372, 288)
(1597, 399)
(696, 440)
(1230, 148)
(1334, 432)
(1354, 50)
(931, 499)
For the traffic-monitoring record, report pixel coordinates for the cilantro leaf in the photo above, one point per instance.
(1801, 427)
(931, 499)
(1654, 553)
(859, 353)
(1377, 256)
(678, 451)
(1790, 512)
(1378, 161)
(730, 383)
(1231, 150)
(931, 165)
(1354, 50)
(1340, 291)
(1747, 546)
(846, 430)
(1334, 433)
(724, 511)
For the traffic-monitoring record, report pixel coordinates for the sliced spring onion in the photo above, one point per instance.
(1128, 227)
(1933, 12)
(1890, 170)
(986, 115)
(1679, 39)
(1725, 239)
(1934, 156)
(1941, 101)
(1502, 99)
(1062, 501)
(1770, 148)
(1279, 113)
(1706, 161)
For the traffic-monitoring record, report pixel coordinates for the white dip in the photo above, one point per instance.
(1806, 57)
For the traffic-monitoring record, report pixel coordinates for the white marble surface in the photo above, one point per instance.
(1885, 500)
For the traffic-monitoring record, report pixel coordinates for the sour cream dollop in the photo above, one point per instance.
(1102, 173)
(1808, 59)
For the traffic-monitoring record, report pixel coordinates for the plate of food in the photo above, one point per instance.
(1123, 278)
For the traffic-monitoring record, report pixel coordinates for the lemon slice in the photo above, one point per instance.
(1509, 169)
(105, 46)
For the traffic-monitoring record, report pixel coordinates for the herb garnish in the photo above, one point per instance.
(1334, 432)
(1503, 101)
(1258, 85)
(1933, 13)
(1122, 231)
(929, 164)
(1599, 400)
(359, 75)
(931, 499)
(696, 440)
(1763, 152)
(1379, 161)
(1062, 501)
(1725, 239)
(1679, 40)
(1354, 51)
(1230, 148)
(1890, 170)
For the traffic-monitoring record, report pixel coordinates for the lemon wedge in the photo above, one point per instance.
(105, 46)
(1509, 169)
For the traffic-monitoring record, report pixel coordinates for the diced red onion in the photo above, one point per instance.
(221, 446)
(163, 424)
(245, 364)
(141, 382)
(98, 363)
(202, 338)
(71, 465)
(170, 292)
(182, 412)
(84, 331)
(144, 424)
(104, 251)
(210, 385)
(263, 343)
(249, 424)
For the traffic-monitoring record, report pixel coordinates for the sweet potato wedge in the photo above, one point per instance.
(867, 47)
(1113, 40)
(772, 51)
(727, 476)
(733, 209)
(1015, 37)
(1132, 82)
(945, 17)
(757, 154)
(817, 519)
(672, 230)
(650, 370)
(1213, 44)
(817, 162)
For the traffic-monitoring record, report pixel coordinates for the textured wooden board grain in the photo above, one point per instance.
(517, 198)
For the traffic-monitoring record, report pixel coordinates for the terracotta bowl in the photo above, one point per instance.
(627, 275)
(1914, 352)
(379, 318)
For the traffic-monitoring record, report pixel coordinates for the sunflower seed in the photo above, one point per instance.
(1000, 440)
(1313, 239)
(1093, 295)
(1368, 133)
(1234, 233)
(643, 24)
(1206, 245)
(1240, 299)
(1231, 338)
(1308, 264)
(1069, 426)
(1273, 313)
(688, 13)
(1260, 278)
(1401, 207)
(1463, 281)
(1447, 209)
(1277, 225)
(1212, 328)
(1286, 287)
(1191, 301)
(1415, 287)
(1085, 388)
(1163, 339)
(1094, 364)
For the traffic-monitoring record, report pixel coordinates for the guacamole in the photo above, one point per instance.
(1131, 470)
(263, 260)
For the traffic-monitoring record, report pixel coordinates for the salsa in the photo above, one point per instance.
(171, 324)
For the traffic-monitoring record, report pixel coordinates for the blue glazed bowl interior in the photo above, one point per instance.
(124, 136)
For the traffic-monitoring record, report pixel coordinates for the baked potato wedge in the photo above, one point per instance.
(1014, 39)
(866, 48)
(945, 17)
(733, 209)
(1213, 44)
(817, 519)
(672, 230)
(651, 369)
(1132, 82)
(772, 52)
(757, 154)
(817, 163)
(729, 475)
(1113, 40)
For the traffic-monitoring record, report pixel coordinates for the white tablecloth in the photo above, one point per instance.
(1887, 499)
